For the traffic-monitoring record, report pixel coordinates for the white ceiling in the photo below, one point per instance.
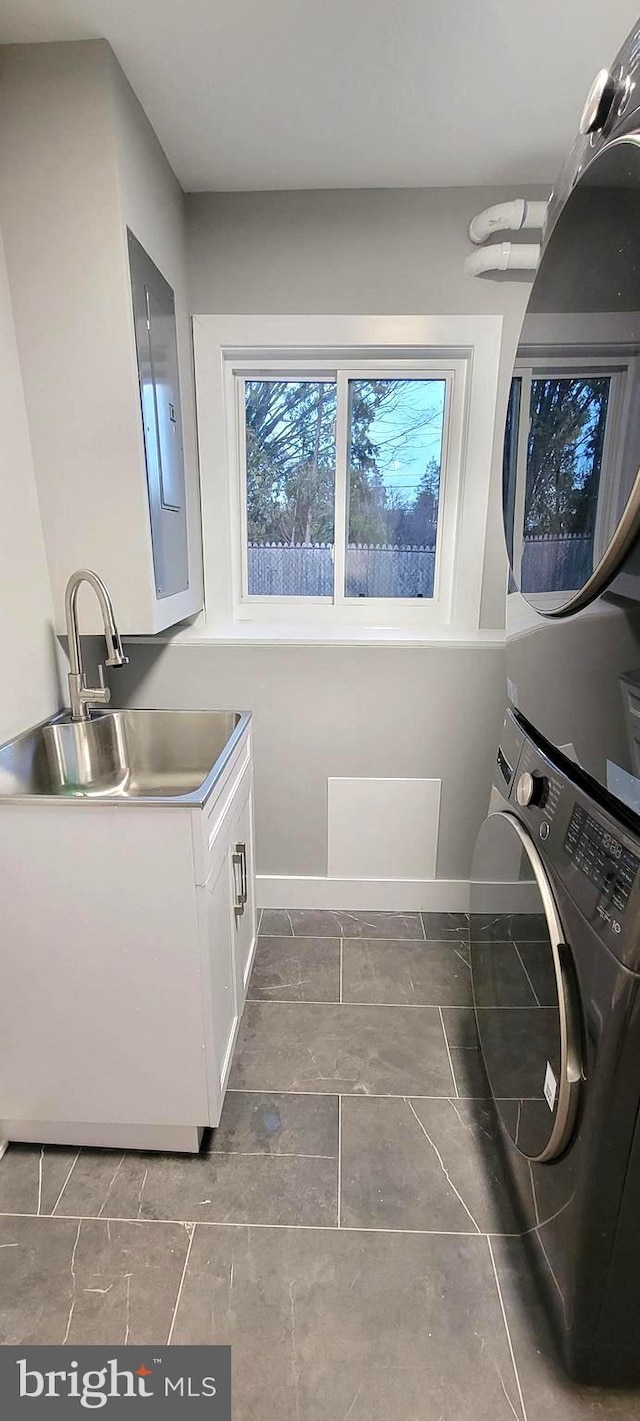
(252, 94)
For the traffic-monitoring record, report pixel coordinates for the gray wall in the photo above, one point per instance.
(361, 252)
(29, 689)
(322, 711)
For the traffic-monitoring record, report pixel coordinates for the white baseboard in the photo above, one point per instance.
(393, 895)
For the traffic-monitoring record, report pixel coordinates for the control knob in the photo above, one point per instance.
(598, 102)
(531, 789)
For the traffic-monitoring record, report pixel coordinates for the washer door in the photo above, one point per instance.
(571, 486)
(524, 994)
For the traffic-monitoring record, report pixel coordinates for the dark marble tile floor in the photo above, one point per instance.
(347, 1228)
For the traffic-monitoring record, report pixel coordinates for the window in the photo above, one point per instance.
(289, 482)
(553, 471)
(389, 488)
(394, 458)
(345, 472)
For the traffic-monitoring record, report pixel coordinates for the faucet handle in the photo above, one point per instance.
(105, 693)
(99, 695)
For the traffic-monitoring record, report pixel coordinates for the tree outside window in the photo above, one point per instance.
(393, 471)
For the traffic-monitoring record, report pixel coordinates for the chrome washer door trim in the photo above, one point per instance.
(570, 1075)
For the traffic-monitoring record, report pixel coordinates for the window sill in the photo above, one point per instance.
(299, 635)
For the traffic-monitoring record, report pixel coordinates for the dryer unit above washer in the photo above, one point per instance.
(571, 466)
(572, 448)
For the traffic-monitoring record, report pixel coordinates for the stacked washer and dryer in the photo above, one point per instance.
(555, 899)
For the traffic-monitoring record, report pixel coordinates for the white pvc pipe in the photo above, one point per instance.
(503, 256)
(507, 217)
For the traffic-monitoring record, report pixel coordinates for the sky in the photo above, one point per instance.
(411, 434)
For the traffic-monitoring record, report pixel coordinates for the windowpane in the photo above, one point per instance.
(509, 469)
(568, 418)
(290, 474)
(394, 461)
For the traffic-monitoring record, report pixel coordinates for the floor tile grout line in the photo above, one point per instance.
(320, 937)
(340, 998)
(413, 1006)
(446, 1042)
(73, 1165)
(290, 922)
(246, 1224)
(506, 1327)
(365, 1095)
(262, 1154)
(252, 1224)
(192, 1235)
(400, 941)
(339, 1161)
(424, 933)
(297, 1001)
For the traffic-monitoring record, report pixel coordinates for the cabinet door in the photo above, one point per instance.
(157, 350)
(244, 911)
(219, 978)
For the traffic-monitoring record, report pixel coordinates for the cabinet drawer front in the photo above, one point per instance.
(208, 822)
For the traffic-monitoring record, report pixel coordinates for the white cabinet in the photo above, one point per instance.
(122, 979)
(67, 207)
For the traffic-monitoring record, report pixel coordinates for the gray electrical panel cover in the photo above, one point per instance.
(155, 326)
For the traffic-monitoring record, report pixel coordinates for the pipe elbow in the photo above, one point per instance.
(507, 217)
(504, 216)
(503, 256)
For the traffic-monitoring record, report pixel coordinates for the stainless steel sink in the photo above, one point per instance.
(153, 756)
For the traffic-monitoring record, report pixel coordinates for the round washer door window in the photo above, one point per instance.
(571, 486)
(523, 990)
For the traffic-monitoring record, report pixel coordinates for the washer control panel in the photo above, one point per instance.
(602, 859)
(592, 856)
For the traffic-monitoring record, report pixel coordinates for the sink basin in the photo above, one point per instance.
(86, 756)
(153, 756)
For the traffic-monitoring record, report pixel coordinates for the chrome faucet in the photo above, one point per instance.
(82, 696)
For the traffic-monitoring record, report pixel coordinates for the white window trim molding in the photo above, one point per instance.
(222, 341)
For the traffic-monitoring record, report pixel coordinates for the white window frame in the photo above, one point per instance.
(463, 350)
(540, 364)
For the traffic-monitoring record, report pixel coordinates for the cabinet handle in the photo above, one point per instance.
(242, 850)
(237, 861)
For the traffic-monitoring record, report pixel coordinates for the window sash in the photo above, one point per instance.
(568, 367)
(359, 608)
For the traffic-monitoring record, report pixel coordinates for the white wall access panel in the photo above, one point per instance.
(383, 828)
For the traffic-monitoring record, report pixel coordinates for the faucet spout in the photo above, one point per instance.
(82, 696)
